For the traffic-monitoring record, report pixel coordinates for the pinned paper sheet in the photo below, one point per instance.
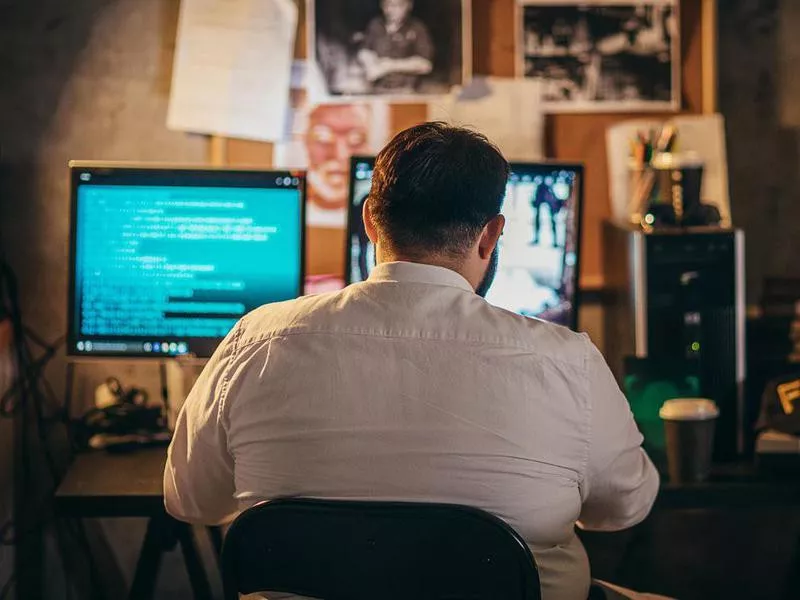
(507, 111)
(232, 68)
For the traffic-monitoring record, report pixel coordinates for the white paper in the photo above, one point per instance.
(355, 128)
(507, 111)
(705, 136)
(618, 150)
(232, 67)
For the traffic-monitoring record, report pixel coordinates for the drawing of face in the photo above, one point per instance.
(335, 133)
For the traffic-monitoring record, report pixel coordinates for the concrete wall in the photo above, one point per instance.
(79, 79)
(759, 94)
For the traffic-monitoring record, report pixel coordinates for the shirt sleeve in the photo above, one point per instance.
(620, 483)
(199, 475)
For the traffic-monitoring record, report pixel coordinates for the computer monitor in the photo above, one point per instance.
(164, 261)
(537, 274)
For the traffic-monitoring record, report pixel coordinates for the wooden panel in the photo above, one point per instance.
(246, 153)
(575, 137)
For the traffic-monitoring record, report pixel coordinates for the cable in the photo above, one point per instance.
(31, 398)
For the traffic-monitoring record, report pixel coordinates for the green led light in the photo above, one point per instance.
(695, 346)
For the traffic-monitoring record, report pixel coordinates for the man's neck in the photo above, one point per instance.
(432, 261)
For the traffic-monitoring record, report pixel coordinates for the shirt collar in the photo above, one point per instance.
(407, 272)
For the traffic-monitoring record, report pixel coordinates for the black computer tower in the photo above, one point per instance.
(677, 295)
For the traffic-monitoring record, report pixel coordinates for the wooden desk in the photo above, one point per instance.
(735, 485)
(99, 484)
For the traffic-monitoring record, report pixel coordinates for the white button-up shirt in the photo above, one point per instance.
(410, 386)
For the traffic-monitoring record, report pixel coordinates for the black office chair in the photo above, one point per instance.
(342, 550)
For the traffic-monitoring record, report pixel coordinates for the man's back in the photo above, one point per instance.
(411, 387)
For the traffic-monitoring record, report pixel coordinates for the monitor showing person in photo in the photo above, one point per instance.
(397, 49)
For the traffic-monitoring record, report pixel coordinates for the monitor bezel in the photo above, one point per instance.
(76, 168)
(351, 188)
(516, 166)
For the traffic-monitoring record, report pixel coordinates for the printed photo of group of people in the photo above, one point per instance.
(602, 56)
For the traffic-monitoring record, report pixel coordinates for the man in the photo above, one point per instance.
(410, 386)
(335, 133)
(397, 49)
(545, 196)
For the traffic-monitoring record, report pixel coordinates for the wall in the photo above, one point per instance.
(759, 85)
(82, 79)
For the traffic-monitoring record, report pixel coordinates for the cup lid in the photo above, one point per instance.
(670, 160)
(689, 409)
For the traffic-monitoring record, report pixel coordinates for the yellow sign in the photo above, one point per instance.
(789, 393)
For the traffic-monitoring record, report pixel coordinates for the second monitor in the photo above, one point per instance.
(537, 274)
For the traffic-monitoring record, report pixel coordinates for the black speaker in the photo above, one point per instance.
(678, 295)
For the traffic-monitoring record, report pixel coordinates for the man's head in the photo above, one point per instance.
(436, 197)
(335, 133)
(396, 11)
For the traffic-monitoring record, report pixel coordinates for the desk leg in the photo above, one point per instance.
(144, 581)
(194, 564)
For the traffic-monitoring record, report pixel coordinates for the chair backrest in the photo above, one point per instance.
(346, 550)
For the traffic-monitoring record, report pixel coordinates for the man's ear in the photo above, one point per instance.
(490, 236)
(369, 226)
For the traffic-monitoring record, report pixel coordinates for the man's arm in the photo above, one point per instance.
(620, 483)
(421, 61)
(198, 478)
(377, 67)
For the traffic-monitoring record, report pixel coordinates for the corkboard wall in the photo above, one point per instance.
(568, 137)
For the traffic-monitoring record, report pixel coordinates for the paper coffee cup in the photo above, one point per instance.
(689, 425)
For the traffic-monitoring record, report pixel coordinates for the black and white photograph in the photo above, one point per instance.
(395, 49)
(601, 56)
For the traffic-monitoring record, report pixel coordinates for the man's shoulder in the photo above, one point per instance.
(363, 308)
(536, 336)
(283, 318)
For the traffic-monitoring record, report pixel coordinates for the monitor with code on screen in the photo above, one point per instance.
(164, 261)
(537, 273)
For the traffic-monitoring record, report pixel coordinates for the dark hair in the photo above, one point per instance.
(434, 188)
